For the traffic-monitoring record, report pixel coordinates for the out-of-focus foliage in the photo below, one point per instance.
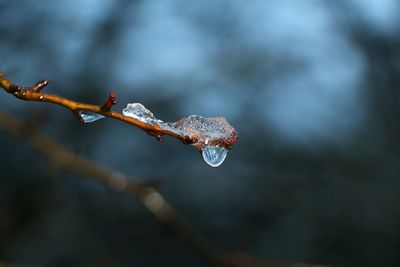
(312, 88)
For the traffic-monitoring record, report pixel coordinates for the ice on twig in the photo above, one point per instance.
(212, 136)
(139, 112)
(207, 131)
(89, 116)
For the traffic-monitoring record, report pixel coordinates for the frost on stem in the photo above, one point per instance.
(212, 136)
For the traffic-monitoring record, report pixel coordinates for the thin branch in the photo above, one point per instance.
(152, 200)
(34, 94)
(195, 137)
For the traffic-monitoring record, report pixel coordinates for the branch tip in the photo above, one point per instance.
(194, 130)
(112, 100)
(40, 85)
(157, 135)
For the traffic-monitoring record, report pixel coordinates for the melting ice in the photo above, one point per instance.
(212, 136)
(139, 112)
(214, 155)
(207, 131)
(89, 116)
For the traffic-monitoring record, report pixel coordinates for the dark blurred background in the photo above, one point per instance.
(312, 88)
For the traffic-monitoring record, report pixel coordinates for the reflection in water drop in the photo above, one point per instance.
(89, 116)
(214, 155)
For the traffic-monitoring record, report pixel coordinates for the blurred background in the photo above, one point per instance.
(312, 87)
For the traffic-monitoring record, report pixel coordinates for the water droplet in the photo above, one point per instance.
(89, 116)
(214, 155)
(139, 112)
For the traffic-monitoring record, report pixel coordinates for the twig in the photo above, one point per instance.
(154, 129)
(152, 200)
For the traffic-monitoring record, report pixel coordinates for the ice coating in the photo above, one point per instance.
(203, 132)
(90, 116)
(214, 155)
(213, 137)
(139, 112)
(170, 126)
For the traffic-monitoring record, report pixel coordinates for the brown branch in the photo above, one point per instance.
(194, 137)
(152, 200)
(34, 94)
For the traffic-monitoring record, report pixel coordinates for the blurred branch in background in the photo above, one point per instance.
(152, 200)
(4, 264)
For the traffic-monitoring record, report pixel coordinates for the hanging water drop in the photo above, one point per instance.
(90, 116)
(214, 155)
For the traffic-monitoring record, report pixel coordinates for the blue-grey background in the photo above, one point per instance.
(312, 88)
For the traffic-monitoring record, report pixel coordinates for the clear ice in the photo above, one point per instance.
(212, 136)
(214, 155)
(139, 112)
(207, 131)
(90, 116)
